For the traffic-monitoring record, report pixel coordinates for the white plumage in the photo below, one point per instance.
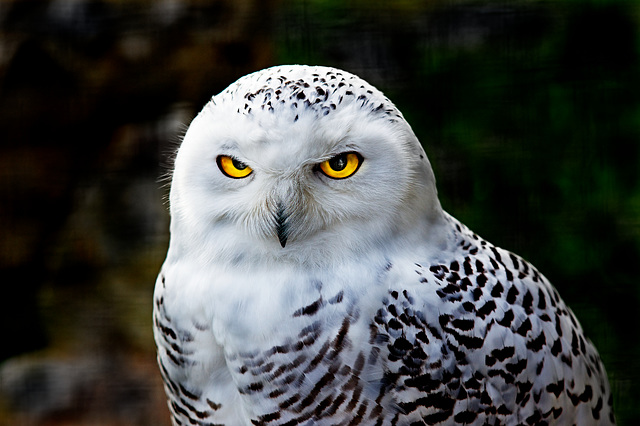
(313, 278)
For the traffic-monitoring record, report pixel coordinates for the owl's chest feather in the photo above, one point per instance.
(284, 347)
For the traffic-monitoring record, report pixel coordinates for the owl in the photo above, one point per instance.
(312, 277)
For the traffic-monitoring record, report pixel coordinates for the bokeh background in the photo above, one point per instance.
(529, 111)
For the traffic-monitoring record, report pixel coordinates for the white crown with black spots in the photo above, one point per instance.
(304, 89)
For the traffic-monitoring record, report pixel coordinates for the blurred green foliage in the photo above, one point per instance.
(530, 114)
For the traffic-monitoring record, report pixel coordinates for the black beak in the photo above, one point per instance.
(281, 225)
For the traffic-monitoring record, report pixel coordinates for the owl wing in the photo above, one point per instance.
(484, 338)
(198, 385)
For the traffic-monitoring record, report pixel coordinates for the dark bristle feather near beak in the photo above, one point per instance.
(281, 226)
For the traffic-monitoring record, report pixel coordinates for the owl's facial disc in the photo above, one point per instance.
(297, 169)
(283, 208)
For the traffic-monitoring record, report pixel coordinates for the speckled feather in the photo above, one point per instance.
(382, 309)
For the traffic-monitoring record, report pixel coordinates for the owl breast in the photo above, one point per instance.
(303, 352)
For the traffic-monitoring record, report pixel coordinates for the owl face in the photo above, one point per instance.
(299, 163)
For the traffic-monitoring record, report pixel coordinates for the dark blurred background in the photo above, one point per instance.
(529, 112)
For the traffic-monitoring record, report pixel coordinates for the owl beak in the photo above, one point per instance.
(281, 225)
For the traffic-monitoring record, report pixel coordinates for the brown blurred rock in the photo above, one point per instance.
(83, 391)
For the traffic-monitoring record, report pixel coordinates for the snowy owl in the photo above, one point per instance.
(312, 277)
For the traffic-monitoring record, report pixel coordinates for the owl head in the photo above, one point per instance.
(299, 164)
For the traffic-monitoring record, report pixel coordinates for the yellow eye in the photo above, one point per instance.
(232, 167)
(342, 165)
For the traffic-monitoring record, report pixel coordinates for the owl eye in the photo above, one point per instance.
(342, 165)
(233, 168)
